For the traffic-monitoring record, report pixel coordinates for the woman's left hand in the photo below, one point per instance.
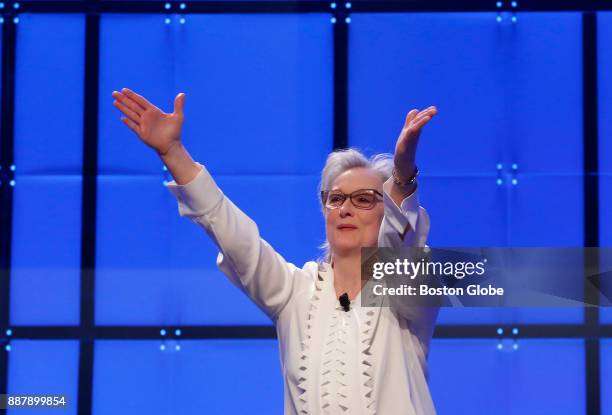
(405, 149)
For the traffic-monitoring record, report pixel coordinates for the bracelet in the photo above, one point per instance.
(410, 181)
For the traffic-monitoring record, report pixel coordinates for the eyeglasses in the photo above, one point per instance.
(361, 199)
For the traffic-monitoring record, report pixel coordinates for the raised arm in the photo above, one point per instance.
(248, 260)
(405, 222)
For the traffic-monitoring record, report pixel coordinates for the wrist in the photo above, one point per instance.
(172, 150)
(398, 193)
(404, 166)
(404, 177)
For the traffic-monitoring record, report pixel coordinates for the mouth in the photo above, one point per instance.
(347, 228)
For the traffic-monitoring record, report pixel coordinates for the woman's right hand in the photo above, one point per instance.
(157, 129)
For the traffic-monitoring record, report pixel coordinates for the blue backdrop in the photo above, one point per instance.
(501, 165)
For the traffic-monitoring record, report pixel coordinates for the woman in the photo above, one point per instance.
(337, 357)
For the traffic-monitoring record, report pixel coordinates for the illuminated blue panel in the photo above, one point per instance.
(546, 211)
(544, 59)
(464, 211)
(485, 214)
(152, 260)
(474, 376)
(261, 99)
(498, 81)
(46, 250)
(506, 315)
(44, 367)
(48, 158)
(604, 90)
(211, 377)
(49, 75)
(130, 46)
(546, 205)
(605, 315)
(478, 218)
(403, 61)
(605, 265)
(545, 141)
(604, 56)
(249, 93)
(606, 376)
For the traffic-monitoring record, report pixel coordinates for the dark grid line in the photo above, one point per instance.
(7, 129)
(341, 33)
(370, 6)
(591, 202)
(442, 331)
(89, 203)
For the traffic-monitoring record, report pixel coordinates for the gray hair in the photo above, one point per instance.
(340, 161)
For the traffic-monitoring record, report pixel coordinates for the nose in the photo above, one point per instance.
(346, 209)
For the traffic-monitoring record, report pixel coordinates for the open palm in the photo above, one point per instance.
(157, 129)
(406, 146)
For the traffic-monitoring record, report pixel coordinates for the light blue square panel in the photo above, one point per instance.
(540, 211)
(604, 56)
(464, 211)
(258, 89)
(510, 315)
(486, 376)
(500, 74)
(605, 315)
(605, 262)
(44, 367)
(137, 51)
(604, 91)
(49, 78)
(544, 115)
(151, 259)
(187, 377)
(46, 250)
(546, 210)
(456, 61)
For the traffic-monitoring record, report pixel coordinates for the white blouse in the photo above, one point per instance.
(339, 373)
(370, 360)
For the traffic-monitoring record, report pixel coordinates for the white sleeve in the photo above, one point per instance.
(408, 226)
(248, 261)
(394, 232)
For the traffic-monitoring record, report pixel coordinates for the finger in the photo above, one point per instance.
(411, 116)
(127, 111)
(427, 113)
(128, 102)
(139, 99)
(133, 126)
(417, 125)
(179, 103)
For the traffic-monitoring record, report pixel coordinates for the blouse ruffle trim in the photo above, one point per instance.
(371, 312)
